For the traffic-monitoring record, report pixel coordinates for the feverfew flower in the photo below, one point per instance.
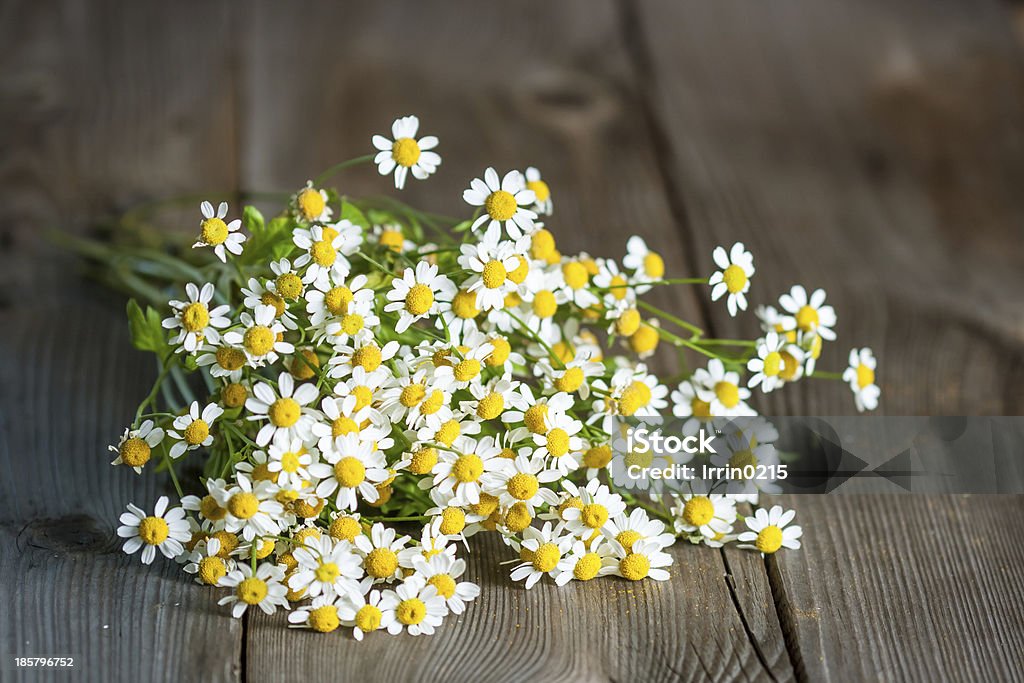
(768, 366)
(194, 318)
(861, 377)
(261, 337)
(768, 530)
(413, 606)
(363, 613)
(310, 205)
(734, 277)
(442, 571)
(542, 551)
(418, 294)
(214, 232)
(808, 314)
(326, 567)
(352, 468)
(405, 153)
(136, 445)
(192, 429)
(286, 410)
(541, 191)
(711, 516)
(646, 559)
(503, 201)
(647, 266)
(264, 589)
(165, 530)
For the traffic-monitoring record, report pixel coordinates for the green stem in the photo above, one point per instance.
(340, 167)
(696, 331)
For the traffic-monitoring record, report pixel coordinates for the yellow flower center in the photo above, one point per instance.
(432, 403)
(728, 394)
(212, 570)
(368, 357)
(769, 539)
(453, 521)
(268, 298)
(368, 618)
(594, 515)
(464, 305)
(535, 418)
(259, 340)
(772, 363)
(405, 152)
(448, 432)
(742, 458)
(304, 364)
(564, 351)
(196, 432)
(311, 203)
(523, 486)
(215, 231)
(364, 396)
(627, 538)
(654, 266)
(411, 612)
(209, 509)
(546, 557)
(290, 462)
(518, 518)
(544, 304)
(570, 381)
(698, 511)
(542, 245)
(490, 406)
(639, 458)
(262, 473)
(494, 274)
(558, 442)
(598, 456)
(444, 584)
(865, 376)
(486, 506)
(337, 300)
(243, 505)
(392, 239)
(735, 279)
(323, 253)
(324, 619)
(467, 370)
(381, 563)
(644, 340)
(412, 394)
(234, 395)
(636, 396)
(575, 274)
(628, 322)
(252, 590)
(289, 285)
(519, 273)
(134, 452)
(500, 354)
(328, 572)
(587, 567)
(419, 299)
(807, 319)
(468, 468)
(618, 287)
(350, 472)
(195, 317)
(153, 530)
(228, 543)
(540, 189)
(423, 460)
(343, 425)
(500, 205)
(345, 528)
(790, 366)
(230, 358)
(351, 323)
(634, 567)
(284, 412)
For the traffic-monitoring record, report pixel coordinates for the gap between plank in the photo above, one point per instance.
(787, 618)
(730, 582)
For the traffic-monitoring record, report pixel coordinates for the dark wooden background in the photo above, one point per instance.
(874, 148)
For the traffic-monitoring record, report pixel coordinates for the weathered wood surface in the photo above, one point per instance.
(874, 149)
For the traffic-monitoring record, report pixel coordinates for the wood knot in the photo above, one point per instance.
(69, 534)
(567, 100)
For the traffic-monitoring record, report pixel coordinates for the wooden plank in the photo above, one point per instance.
(509, 90)
(871, 149)
(101, 106)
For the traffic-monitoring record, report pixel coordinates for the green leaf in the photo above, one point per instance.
(252, 220)
(146, 330)
(352, 213)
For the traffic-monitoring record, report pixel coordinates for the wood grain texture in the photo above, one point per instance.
(101, 105)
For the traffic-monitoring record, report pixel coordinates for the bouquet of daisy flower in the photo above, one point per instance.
(353, 369)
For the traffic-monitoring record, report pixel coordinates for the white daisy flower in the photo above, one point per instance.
(570, 377)
(390, 236)
(192, 430)
(414, 399)
(289, 459)
(467, 364)
(344, 416)
(264, 589)
(583, 563)
(541, 192)
(861, 377)
(446, 432)
(711, 515)
(361, 353)
(743, 451)
(326, 250)
(136, 445)
(418, 294)
(326, 567)
(768, 530)
(214, 232)
(561, 443)
(810, 345)
(627, 530)
(733, 279)
(363, 614)
(768, 366)
(405, 153)
(490, 263)
(432, 542)
(224, 361)
(442, 572)
(599, 506)
(379, 553)
(414, 606)
(256, 294)
(286, 411)
(165, 530)
(521, 481)
(540, 411)
(504, 203)
(206, 563)
(321, 615)
(721, 390)
(310, 205)
(251, 507)
(333, 301)
(614, 285)
(261, 336)
(808, 314)
(194, 318)
(647, 266)
(646, 559)
(490, 400)
(542, 551)
(544, 293)
(353, 468)
(472, 467)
